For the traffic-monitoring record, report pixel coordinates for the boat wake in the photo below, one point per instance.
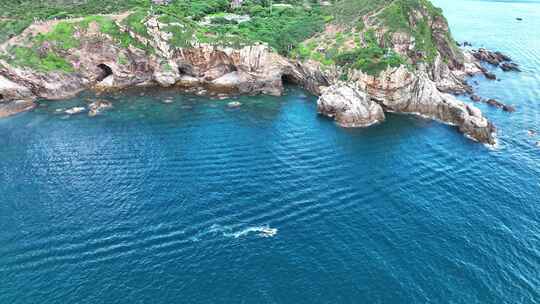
(261, 231)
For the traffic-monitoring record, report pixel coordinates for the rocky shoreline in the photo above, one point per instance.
(206, 69)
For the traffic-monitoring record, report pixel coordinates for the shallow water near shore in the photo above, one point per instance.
(196, 202)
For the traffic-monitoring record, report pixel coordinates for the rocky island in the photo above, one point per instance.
(362, 57)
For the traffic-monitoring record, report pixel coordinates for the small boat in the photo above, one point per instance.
(268, 232)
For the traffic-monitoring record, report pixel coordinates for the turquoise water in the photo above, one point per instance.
(166, 203)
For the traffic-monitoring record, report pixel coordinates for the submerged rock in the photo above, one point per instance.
(349, 106)
(497, 59)
(234, 104)
(509, 108)
(510, 66)
(494, 103)
(98, 106)
(494, 58)
(476, 98)
(490, 76)
(75, 110)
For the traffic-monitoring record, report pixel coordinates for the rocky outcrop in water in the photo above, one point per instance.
(75, 110)
(497, 59)
(14, 98)
(98, 106)
(402, 91)
(494, 58)
(15, 107)
(510, 66)
(494, 103)
(500, 105)
(349, 106)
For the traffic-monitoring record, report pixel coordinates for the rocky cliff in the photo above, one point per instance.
(105, 54)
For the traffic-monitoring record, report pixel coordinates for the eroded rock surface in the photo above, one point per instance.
(349, 106)
(402, 91)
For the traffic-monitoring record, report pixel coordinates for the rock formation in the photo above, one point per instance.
(349, 106)
(98, 106)
(402, 91)
(496, 59)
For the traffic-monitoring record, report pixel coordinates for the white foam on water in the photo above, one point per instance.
(262, 231)
(227, 231)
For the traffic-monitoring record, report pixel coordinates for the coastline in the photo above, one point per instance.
(104, 65)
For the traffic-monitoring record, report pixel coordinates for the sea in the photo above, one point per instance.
(194, 201)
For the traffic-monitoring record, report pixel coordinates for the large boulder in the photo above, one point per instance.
(349, 106)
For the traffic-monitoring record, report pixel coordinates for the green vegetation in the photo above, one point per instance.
(371, 59)
(16, 15)
(109, 27)
(46, 52)
(283, 28)
(135, 22)
(396, 17)
(44, 63)
(62, 36)
(166, 66)
(182, 35)
(194, 9)
(291, 27)
(122, 59)
(348, 12)
(367, 56)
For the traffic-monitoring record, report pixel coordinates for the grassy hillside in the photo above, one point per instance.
(280, 27)
(295, 28)
(16, 15)
(349, 12)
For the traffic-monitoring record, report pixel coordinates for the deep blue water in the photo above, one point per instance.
(163, 203)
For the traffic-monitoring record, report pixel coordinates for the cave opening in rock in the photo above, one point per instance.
(287, 79)
(106, 71)
(185, 69)
(1, 97)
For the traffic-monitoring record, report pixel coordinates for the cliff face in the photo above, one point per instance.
(102, 60)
